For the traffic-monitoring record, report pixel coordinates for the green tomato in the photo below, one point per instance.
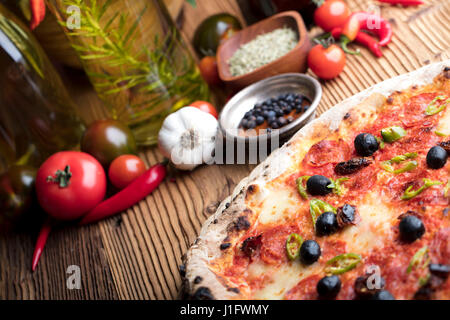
(212, 31)
(106, 140)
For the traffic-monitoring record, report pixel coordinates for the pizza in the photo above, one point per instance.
(354, 206)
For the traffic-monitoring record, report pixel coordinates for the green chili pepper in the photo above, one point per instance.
(410, 166)
(301, 188)
(423, 281)
(393, 134)
(387, 165)
(399, 159)
(380, 142)
(293, 244)
(336, 185)
(431, 109)
(317, 207)
(409, 194)
(343, 263)
(418, 259)
(440, 134)
(447, 188)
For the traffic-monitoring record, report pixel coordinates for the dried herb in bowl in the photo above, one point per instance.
(262, 50)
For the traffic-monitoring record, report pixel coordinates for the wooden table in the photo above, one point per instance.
(137, 255)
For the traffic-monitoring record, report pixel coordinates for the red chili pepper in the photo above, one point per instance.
(403, 2)
(349, 31)
(132, 194)
(362, 38)
(375, 24)
(37, 8)
(40, 243)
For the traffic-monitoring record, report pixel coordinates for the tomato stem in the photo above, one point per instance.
(165, 162)
(61, 177)
(325, 40)
(318, 3)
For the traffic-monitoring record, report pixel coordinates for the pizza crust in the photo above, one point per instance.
(207, 246)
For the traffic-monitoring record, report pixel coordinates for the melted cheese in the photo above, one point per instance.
(281, 203)
(282, 279)
(376, 220)
(444, 122)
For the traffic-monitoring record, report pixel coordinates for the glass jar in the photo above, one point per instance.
(135, 59)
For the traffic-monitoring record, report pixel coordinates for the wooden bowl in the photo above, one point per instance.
(294, 61)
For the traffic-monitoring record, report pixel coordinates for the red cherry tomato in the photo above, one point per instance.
(205, 106)
(326, 63)
(70, 184)
(331, 14)
(125, 169)
(209, 71)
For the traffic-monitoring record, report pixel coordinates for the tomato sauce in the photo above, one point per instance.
(273, 248)
(304, 290)
(327, 152)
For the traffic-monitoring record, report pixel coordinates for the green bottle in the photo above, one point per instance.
(37, 116)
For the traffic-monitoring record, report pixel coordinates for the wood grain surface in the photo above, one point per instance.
(136, 255)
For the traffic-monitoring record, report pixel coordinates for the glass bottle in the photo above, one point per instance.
(135, 59)
(37, 116)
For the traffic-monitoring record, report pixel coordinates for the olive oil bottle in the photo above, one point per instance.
(37, 116)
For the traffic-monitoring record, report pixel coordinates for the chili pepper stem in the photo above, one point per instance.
(344, 44)
(165, 162)
(40, 242)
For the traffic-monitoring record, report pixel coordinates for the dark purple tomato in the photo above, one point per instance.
(107, 140)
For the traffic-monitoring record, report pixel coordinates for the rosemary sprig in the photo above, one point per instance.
(110, 41)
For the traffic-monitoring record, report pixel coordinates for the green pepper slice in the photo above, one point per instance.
(293, 244)
(432, 109)
(440, 134)
(342, 263)
(400, 159)
(393, 134)
(418, 259)
(409, 194)
(387, 165)
(424, 280)
(410, 166)
(380, 142)
(336, 185)
(447, 189)
(300, 186)
(317, 207)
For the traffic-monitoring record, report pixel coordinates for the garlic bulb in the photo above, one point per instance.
(187, 137)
